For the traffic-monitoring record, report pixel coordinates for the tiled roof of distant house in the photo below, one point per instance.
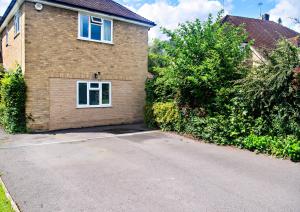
(265, 33)
(108, 7)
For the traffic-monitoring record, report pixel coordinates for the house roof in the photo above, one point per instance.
(108, 7)
(264, 33)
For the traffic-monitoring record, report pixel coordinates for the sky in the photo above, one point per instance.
(169, 13)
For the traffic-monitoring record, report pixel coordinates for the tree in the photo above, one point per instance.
(272, 90)
(156, 55)
(273, 83)
(203, 59)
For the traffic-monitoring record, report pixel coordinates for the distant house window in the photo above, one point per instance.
(95, 28)
(243, 46)
(93, 94)
(17, 23)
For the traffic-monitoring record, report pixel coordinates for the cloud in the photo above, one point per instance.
(168, 15)
(4, 4)
(286, 10)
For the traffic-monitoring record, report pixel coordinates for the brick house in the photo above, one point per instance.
(263, 32)
(84, 62)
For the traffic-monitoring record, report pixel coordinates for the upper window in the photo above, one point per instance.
(6, 37)
(93, 94)
(95, 28)
(17, 23)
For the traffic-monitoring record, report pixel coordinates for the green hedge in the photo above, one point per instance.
(12, 104)
(285, 147)
(241, 131)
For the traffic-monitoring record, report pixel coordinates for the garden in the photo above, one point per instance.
(205, 85)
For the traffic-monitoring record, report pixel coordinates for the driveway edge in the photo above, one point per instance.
(12, 202)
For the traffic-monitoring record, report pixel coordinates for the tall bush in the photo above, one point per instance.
(271, 90)
(200, 60)
(12, 104)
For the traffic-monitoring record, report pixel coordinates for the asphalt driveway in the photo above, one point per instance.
(128, 168)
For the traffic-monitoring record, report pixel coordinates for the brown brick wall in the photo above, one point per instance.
(56, 59)
(63, 112)
(14, 54)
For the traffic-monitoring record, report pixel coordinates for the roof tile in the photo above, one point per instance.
(264, 33)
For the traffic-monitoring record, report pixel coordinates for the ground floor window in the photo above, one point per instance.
(93, 94)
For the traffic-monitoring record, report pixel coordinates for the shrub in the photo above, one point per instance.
(285, 121)
(294, 151)
(166, 115)
(149, 118)
(285, 147)
(13, 97)
(2, 71)
(261, 144)
(149, 89)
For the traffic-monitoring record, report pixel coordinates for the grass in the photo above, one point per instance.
(5, 205)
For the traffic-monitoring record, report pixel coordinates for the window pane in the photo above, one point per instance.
(95, 32)
(82, 93)
(17, 23)
(84, 26)
(94, 85)
(6, 36)
(94, 97)
(105, 94)
(96, 20)
(107, 30)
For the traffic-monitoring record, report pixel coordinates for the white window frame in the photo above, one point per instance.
(88, 94)
(17, 26)
(102, 29)
(96, 22)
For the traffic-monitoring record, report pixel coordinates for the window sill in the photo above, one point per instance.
(96, 106)
(96, 41)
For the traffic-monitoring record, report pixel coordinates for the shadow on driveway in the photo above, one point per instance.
(113, 129)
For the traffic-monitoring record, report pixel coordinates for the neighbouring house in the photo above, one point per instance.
(264, 33)
(84, 62)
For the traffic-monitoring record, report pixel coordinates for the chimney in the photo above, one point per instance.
(266, 17)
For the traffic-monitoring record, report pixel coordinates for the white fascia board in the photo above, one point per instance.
(90, 12)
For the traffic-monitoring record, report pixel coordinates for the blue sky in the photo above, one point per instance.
(169, 13)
